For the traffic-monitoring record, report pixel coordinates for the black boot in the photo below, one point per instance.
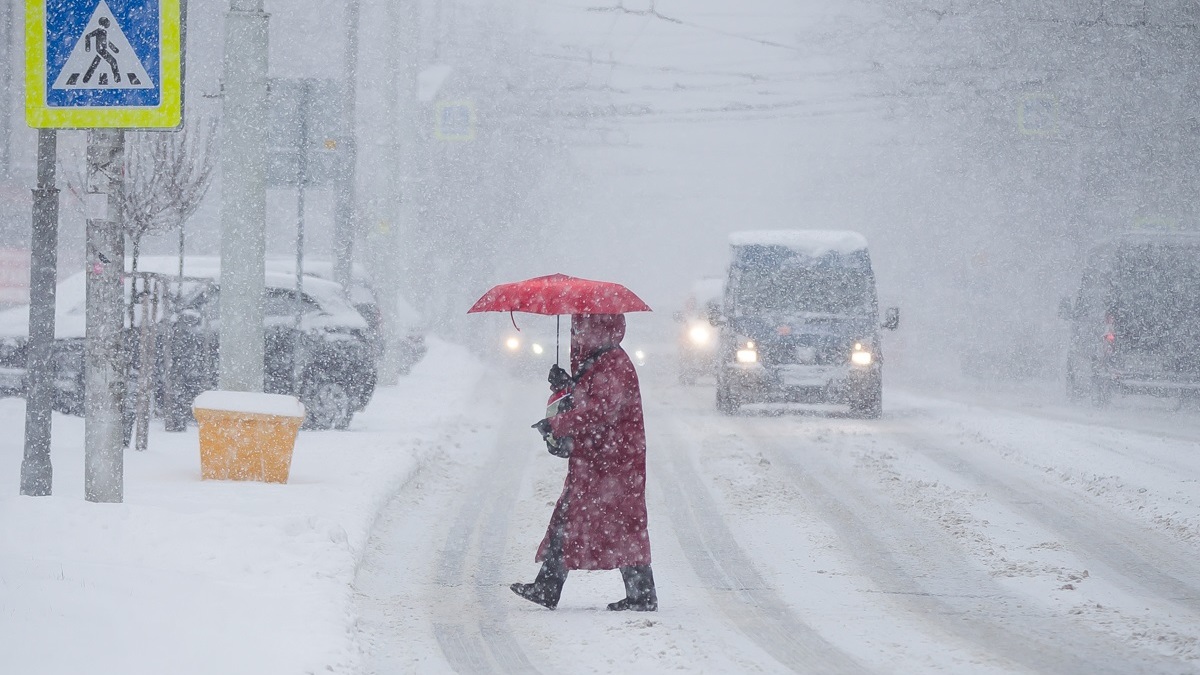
(640, 595)
(547, 588)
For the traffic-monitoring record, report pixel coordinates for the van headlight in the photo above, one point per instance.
(699, 335)
(537, 349)
(512, 344)
(747, 353)
(861, 356)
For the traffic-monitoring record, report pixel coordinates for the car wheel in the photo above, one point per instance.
(328, 405)
(1101, 392)
(726, 401)
(867, 403)
(1074, 388)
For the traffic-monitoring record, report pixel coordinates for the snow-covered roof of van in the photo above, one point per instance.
(815, 243)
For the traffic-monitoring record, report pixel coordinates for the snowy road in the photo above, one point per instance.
(988, 537)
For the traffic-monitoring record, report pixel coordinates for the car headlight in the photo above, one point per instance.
(537, 349)
(861, 356)
(513, 344)
(748, 353)
(699, 334)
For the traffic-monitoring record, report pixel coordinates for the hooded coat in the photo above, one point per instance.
(602, 509)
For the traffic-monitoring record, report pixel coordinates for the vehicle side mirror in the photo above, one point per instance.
(891, 318)
(189, 318)
(714, 316)
(1066, 309)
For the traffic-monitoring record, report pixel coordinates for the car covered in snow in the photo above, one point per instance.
(1135, 320)
(799, 322)
(334, 375)
(411, 327)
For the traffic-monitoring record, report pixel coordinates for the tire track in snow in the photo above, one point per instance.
(487, 646)
(740, 591)
(915, 563)
(1141, 556)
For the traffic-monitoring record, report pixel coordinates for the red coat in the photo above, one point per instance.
(603, 503)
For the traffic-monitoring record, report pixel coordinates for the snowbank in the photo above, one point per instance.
(190, 576)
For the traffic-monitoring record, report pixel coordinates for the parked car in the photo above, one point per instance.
(316, 347)
(1135, 321)
(334, 376)
(697, 336)
(799, 322)
(410, 326)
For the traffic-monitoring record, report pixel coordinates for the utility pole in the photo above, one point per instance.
(243, 196)
(345, 219)
(37, 474)
(6, 94)
(105, 357)
(400, 160)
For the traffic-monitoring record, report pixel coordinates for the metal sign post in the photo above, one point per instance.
(107, 66)
(36, 471)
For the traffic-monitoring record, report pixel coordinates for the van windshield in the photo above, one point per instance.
(1155, 291)
(794, 288)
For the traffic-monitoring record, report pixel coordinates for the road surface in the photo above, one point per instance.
(989, 536)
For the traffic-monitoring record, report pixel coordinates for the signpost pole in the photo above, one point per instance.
(36, 471)
(106, 372)
(298, 355)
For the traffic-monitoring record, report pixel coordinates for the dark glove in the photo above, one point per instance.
(543, 427)
(558, 378)
(560, 447)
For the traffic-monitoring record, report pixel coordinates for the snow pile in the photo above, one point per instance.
(250, 402)
(190, 576)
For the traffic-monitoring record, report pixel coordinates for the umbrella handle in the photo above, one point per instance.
(513, 319)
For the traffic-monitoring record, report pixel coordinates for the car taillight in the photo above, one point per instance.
(1110, 330)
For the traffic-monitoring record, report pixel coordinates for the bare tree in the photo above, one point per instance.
(167, 176)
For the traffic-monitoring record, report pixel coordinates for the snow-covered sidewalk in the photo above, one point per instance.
(190, 576)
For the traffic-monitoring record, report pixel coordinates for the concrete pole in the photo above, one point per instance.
(404, 16)
(104, 350)
(6, 93)
(243, 196)
(345, 217)
(36, 472)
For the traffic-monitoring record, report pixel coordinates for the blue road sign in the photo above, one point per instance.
(103, 63)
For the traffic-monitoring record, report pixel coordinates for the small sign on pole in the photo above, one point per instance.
(113, 64)
(455, 121)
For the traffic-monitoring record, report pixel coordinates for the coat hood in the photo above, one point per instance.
(590, 332)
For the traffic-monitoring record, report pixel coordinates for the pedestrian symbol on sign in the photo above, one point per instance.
(103, 58)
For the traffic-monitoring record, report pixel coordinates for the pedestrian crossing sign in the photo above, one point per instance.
(103, 64)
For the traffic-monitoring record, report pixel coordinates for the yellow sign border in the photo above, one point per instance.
(167, 115)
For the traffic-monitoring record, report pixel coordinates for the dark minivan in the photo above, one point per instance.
(800, 322)
(1135, 322)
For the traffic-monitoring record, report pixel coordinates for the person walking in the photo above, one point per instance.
(599, 522)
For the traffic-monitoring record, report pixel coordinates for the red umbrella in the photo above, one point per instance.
(560, 294)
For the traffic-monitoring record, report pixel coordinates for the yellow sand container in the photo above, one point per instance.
(247, 435)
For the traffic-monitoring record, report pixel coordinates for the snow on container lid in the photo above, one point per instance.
(250, 402)
(814, 243)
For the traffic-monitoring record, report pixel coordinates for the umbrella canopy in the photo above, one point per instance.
(560, 294)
